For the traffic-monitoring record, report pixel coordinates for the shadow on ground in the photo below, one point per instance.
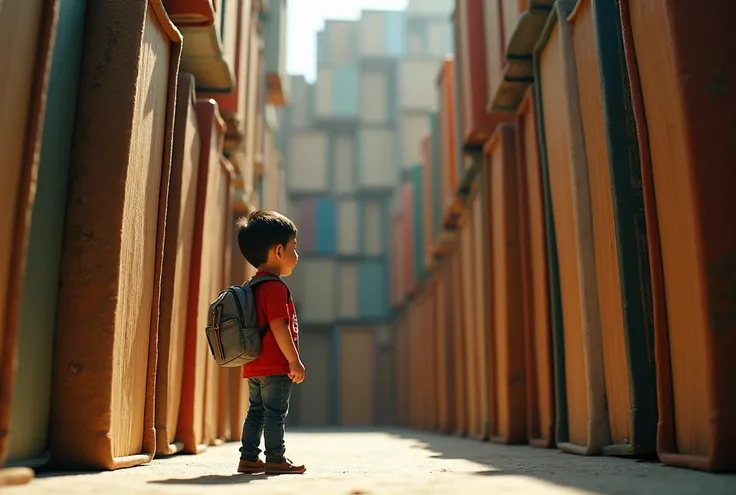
(597, 474)
(213, 479)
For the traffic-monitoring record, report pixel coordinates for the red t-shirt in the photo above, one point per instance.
(272, 303)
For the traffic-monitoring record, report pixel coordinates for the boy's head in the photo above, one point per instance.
(267, 240)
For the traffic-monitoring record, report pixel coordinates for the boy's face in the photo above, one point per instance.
(287, 257)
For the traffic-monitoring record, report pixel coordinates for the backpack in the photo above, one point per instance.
(233, 333)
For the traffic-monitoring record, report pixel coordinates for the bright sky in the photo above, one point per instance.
(306, 17)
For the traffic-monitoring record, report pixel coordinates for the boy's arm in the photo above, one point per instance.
(280, 329)
(281, 332)
(276, 298)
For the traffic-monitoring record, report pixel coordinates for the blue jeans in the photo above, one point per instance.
(269, 405)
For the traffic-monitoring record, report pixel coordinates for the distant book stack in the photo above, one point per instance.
(351, 140)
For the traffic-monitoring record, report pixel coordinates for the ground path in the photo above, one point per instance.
(391, 462)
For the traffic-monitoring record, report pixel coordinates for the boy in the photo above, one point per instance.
(267, 240)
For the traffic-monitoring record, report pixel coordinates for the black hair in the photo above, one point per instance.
(260, 232)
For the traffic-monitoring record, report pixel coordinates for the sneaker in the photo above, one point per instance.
(286, 467)
(250, 467)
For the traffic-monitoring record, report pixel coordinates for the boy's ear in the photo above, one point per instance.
(279, 250)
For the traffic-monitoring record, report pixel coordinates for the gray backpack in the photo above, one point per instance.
(233, 333)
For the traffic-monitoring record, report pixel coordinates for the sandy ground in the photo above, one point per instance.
(391, 462)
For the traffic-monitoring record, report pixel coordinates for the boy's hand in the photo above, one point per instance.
(297, 371)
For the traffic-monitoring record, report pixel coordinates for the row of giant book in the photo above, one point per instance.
(134, 133)
(562, 261)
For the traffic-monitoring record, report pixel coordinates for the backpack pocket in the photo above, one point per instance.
(230, 339)
(233, 345)
(213, 341)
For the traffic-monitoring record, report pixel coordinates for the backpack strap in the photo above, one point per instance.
(267, 278)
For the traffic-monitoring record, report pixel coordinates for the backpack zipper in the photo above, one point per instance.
(216, 325)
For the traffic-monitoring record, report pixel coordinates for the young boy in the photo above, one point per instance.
(267, 240)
